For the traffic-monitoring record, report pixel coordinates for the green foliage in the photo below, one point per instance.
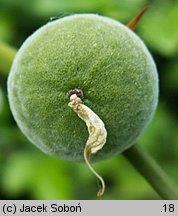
(161, 139)
(163, 39)
(158, 28)
(39, 176)
(6, 55)
(1, 100)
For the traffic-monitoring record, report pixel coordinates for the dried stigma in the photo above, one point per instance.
(96, 129)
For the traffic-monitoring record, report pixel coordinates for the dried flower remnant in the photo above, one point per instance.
(96, 129)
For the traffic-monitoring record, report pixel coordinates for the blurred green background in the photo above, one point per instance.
(27, 173)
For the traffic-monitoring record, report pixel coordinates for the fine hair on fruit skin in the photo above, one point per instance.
(108, 61)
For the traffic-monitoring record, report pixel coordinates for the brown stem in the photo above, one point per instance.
(132, 24)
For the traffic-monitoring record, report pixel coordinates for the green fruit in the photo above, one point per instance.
(107, 61)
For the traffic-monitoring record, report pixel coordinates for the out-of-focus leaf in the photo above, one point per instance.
(123, 11)
(46, 8)
(59, 6)
(159, 28)
(17, 174)
(1, 100)
(5, 114)
(7, 30)
(161, 138)
(170, 77)
(7, 54)
(41, 176)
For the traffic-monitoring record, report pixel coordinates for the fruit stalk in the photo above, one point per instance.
(7, 55)
(152, 172)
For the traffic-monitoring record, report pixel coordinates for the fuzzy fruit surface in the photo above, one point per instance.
(107, 61)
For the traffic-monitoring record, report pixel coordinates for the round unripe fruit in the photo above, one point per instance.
(102, 57)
